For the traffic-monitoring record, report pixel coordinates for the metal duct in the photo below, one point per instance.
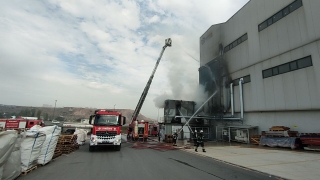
(241, 98)
(231, 92)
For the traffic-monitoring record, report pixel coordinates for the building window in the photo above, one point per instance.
(236, 42)
(285, 11)
(267, 73)
(287, 67)
(305, 62)
(279, 15)
(293, 66)
(295, 5)
(284, 68)
(275, 71)
(246, 79)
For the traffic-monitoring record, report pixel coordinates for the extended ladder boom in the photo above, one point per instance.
(146, 89)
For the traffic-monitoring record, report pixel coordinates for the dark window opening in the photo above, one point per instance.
(236, 82)
(269, 21)
(305, 62)
(275, 71)
(295, 5)
(239, 41)
(267, 73)
(246, 79)
(285, 11)
(226, 49)
(284, 68)
(244, 37)
(287, 67)
(263, 25)
(293, 66)
(277, 17)
(236, 42)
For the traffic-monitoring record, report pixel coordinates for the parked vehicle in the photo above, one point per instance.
(55, 122)
(106, 130)
(20, 123)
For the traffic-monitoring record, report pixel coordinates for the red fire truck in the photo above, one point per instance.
(106, 129)
(20, 123)
(153, 130)
(139, 130)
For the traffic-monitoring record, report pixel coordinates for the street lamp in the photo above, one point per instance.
(114, 107)
(54, 109)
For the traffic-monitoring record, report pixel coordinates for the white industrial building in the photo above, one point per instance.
(274, 45)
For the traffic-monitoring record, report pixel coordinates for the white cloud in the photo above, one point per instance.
(101, 53)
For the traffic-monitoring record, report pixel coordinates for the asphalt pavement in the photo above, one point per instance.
(139, 164)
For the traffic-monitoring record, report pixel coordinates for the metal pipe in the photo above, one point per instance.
(199, 109)
(241, 98)
(231, 92)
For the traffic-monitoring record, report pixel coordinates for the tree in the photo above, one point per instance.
(24, 112)
(39, 113)
(33, 112)
(46, 116)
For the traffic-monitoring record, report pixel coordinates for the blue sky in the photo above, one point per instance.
(101, 53)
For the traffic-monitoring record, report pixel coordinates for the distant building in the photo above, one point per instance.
(274, 46)
(46, 105)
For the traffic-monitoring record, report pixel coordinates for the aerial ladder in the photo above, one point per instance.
(136, 127)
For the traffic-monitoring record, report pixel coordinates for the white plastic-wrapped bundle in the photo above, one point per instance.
(7, 142)
(12, 168)
(81, 136)
(30, 149)
(49, 145)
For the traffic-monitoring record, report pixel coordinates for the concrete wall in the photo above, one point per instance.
(288, 99)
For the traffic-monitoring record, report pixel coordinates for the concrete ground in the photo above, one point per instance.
(280, 162)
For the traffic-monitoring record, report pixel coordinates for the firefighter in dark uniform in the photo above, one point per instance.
(175, 137)
(195, 137)
(200, 141)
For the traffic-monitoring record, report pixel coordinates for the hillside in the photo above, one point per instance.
(65, 113)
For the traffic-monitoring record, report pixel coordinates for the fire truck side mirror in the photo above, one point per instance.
(124, 120)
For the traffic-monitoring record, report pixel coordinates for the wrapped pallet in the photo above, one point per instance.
(81, 136)
(30, 149)
(49, 145)
(12, 168)
(7, 142)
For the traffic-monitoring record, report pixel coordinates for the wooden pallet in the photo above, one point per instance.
(279, 128)
(55, 155)
(29, 170)
(255, 139)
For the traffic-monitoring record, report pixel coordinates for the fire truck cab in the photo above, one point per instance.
(106, 129)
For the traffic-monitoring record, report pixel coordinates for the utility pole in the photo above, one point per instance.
(114, 106)
(54, 109)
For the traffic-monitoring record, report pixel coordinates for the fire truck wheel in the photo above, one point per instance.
(91, 148)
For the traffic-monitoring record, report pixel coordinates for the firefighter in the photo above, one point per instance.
(175, 137)
(195, 136)
(200, 141)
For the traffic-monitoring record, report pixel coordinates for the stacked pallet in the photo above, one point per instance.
(255, 139)
(66, 144)
(310, 141)
(280, 131)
